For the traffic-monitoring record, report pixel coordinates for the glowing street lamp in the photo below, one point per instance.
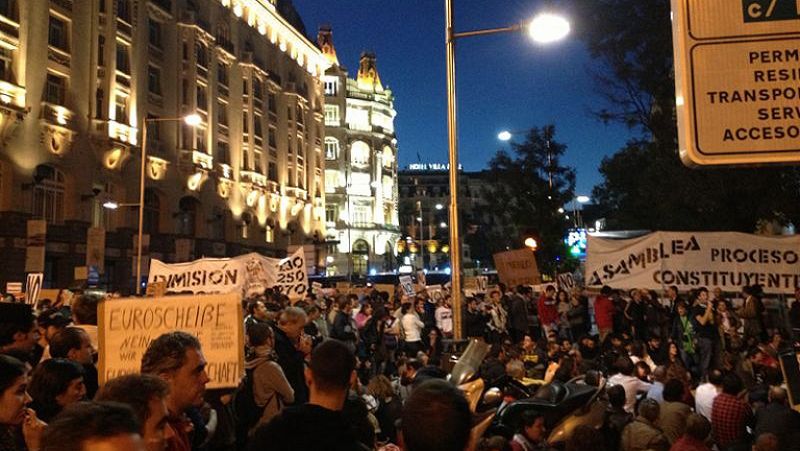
(531, 243)
(543, 28)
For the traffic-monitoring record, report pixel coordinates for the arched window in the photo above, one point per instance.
(359, 153)
(388, 157)
(152, 211)
(360, 256)
(331, 148)
(48, 194)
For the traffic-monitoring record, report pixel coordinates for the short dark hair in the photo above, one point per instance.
(616, 395)
(10, 370)
(732, 384)
(697, 427)
(436, 417)
(606, 290)
(52, 378)
(649, 409)
(14, 318)
(136, 391)
(167, 353)
(259, 333)
(251, 306)
(529, 417)
(332, 364)
(65, 340)
(673, 390)
(85, 421)
(84, 309)
(715, 376)
(624, 365)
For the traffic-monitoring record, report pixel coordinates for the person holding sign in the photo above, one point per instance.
(177, 358)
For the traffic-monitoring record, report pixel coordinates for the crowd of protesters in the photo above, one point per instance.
(366, 370)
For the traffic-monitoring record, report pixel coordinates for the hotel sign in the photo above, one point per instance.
(431, 167)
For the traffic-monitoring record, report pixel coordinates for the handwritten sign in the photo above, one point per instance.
(517, 267)
(408, 285)
(292, 279)
(127, 326)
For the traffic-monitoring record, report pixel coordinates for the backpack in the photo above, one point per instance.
(246, 412)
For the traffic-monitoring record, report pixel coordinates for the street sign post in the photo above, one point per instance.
(737, 81)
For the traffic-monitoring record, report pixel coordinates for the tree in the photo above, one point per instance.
(645, 184)
(529, 186)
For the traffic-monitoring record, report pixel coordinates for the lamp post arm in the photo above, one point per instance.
(467, 34)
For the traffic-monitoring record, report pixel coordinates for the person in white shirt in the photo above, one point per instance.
(411, 327)
(632, 385)
(705, 393)
(444, 317)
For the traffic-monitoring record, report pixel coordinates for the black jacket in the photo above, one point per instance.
(292, 363)
(305, 427)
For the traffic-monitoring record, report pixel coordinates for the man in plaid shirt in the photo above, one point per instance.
(730, 415)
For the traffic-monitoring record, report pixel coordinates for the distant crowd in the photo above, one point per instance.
(368, 369)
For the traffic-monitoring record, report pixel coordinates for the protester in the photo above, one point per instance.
(146, 394)
(292, 347)
(643, 433)
(436, 417)
(730, 415)
(779, 419)
(632, 385)
(256, 313)
(84, 316)
(318, 424)
(73, 343)
(531, 434)
(547, 311)
(706, 392)
(94, 426)
(697, 430)
(19, 426)
(271, 390)
(615, 417)
(673, 415)
(178, 359)
(411, 326)
(55, 384)
(18, 330)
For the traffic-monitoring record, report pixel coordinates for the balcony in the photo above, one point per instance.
(165, 5)
(58, 56)
(253, 177)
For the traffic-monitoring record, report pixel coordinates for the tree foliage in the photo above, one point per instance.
(525, 202)
(645, 184)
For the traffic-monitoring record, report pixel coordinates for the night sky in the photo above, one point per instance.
(505, 81)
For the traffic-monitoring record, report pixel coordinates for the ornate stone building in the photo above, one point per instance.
(360, 167)
(78, 80)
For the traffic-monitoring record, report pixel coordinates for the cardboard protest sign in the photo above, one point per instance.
(517, 267)
(566, 282)
(156, 289)
(127, 326)
(408, 285)
(436, 293)
(33, 287)
(421, 278)
(292, 278)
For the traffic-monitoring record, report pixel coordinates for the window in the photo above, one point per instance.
(48, 195)
(124, 10)
(99, 98)
(187, 137)
(331, 180)
(361, 215)
(202, 55)
(123, 58)
(258, 129)
(200, 140)
(185, 92)
(223, 153)
(272, 138)
(273, 103)
(331, 214)
(57, 34)
(8, 8)
(245, 159)
(332, 115)
(187, 216)
(359, 153)
(245, 123)
(222, 114)
(257, 160)
(55, 89)
(244, 87)
(202, 99)
(331, 148)
(121, 108)
(289, 145)
(154, 33)
(387, 157)
(331, 87)
(272, 171)
(222, 74)
(154, 79)
(289, 113)
(257, 93)
(6, 72)
(101, 50)
(358, 119)
(300, 115)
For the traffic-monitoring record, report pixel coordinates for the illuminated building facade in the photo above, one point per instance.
(79, 77)
(360, 167)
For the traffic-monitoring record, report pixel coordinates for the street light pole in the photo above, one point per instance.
(192, 120)
(552, 28)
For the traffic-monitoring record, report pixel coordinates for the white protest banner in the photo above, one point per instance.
(127, 326)
(292, 277)
(14, 288)
(436, 293)
(566, 281)
(33, 287)
(728, 260)
(207, 275)
(408, 285)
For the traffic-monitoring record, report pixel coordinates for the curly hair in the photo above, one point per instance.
(167, 353)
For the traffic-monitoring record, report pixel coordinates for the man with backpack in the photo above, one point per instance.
(264, 390)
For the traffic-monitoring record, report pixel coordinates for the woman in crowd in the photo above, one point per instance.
(271, 389)
(19, 427)
(411, 327)
(389, 407)
(55, 384)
